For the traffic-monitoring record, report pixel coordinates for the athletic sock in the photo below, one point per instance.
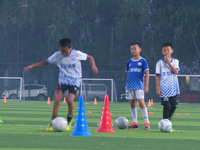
(145, 115)
(134, 115)
(69, 118)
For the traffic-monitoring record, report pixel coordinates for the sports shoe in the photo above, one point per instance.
(69, 126)
(147, 126)
(133, 125)
(49, 128)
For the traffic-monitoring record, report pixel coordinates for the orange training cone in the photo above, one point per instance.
(95, 101)
(149, 104)
(5, 101)
(48, 101)
(64, 100)
(106, 122)
(152, 101)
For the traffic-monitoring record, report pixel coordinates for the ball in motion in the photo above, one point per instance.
(122, 122)
(59, 123)
(165, 125)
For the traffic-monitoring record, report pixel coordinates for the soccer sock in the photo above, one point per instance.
(166, 111)
(145, 115)
(171, 111)
(134, 115)
(69, 118)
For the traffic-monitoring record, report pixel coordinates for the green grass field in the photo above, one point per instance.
(25, 123)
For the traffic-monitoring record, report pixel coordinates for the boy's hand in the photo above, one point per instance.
(146, 89)
(158, 92)
(94, 69)
(167, 59)
(27, 68)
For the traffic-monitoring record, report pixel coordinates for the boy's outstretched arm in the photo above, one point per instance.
(146, 84)
(39, 64)
(93, 65)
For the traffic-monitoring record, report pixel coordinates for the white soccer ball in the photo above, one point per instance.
(122, 122)
(165, 125)
(59, 123)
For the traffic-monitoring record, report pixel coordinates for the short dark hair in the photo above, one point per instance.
(167, 44)
(136, 43)
(65, 42)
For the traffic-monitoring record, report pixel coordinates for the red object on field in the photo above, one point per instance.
(89, 112)
(178, 114)
(186, 114)
(105, 124)
(151, 113)
(64, 100)
(48, 101)
(5, 101)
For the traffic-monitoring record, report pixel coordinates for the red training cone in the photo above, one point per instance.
(106, 122)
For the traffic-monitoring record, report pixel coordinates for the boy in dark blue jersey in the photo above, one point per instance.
(135, 89)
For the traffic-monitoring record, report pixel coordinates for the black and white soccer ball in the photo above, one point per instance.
(165, 125)
(59, 124)
(122, 122)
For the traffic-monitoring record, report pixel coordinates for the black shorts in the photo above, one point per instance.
(169, 100)
(69, 88)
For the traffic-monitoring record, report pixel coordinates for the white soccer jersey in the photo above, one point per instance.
(69, 66)
(169, 85)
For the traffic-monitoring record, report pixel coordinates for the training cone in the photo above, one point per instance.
(105, 125)
(64, 100)
(149, 104)
(95, 101)
(5, 101)
(152, 101)
(48, 101)
(81, 127)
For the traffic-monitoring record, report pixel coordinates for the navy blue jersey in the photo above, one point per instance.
(136, 70)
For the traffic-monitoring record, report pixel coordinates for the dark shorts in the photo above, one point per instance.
(169, 100)
(69, 88)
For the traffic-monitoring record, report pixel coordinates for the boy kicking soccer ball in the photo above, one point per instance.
(68, 62)
(136, 67)
(167, 86)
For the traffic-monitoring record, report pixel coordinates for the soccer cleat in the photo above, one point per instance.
(147, 126)
(69, 126)
(133, 125)
(49, 128)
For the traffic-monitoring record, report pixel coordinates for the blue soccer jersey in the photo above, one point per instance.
(168, 81)
(136, 69)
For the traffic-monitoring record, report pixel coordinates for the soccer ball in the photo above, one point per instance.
(165, 125)
(122, 122)
(59, 123)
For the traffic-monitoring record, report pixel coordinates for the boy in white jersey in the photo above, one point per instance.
(167, 86)
(135, 89)
(68, 62)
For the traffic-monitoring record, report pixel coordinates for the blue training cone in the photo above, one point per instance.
(81, 126)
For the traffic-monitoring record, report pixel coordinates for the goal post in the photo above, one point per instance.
(11, 87)
(97, 88)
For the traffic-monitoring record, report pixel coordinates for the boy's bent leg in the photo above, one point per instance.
(173, 102)
(57, 97)
(70, 102)
(165, 103)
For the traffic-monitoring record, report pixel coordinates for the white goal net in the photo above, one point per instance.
(11, 87)
(92, 88)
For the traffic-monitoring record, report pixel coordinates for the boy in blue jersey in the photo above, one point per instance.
(135, 89)
(68, 61)
(167, 86)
